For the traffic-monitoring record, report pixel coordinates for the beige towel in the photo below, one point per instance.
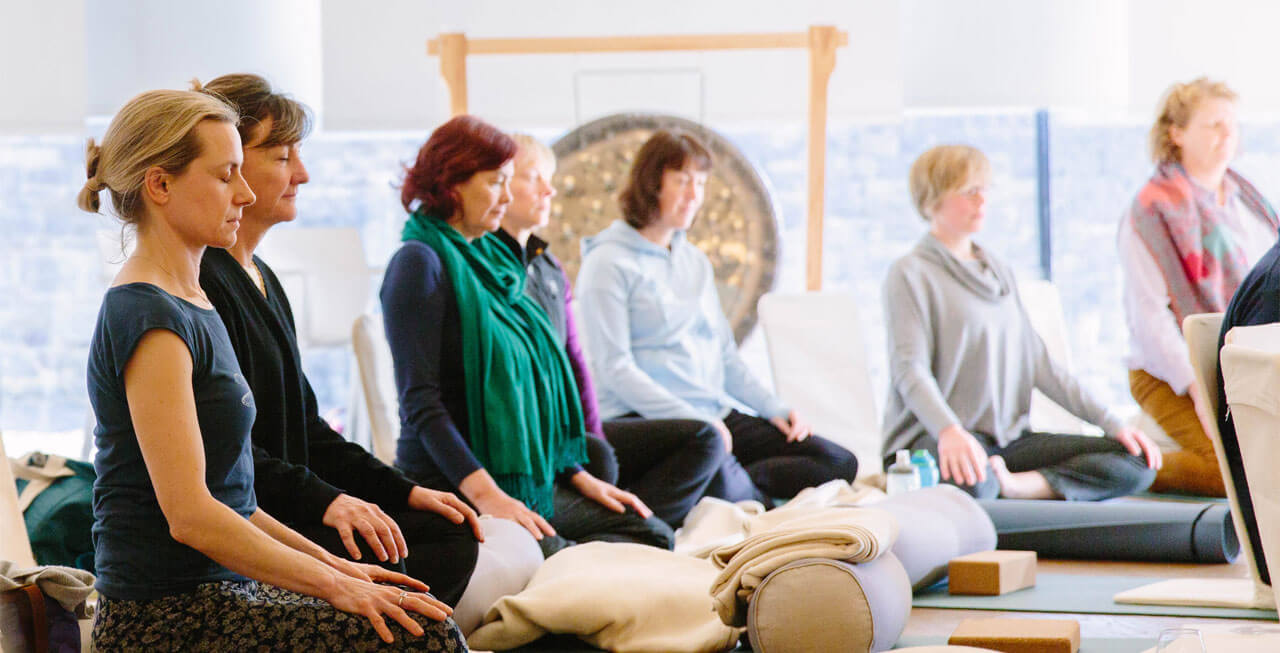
(851, 534)
(715, 523)
(68, 586)
(619, 597)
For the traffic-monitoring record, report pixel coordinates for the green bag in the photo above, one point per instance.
(56, 498)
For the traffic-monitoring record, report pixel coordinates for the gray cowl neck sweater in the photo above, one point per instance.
(962, 351)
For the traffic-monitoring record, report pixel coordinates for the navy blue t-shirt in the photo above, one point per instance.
(135, 557)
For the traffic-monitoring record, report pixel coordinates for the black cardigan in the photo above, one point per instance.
(300, 464)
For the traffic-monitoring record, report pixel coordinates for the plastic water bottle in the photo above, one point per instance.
(927, 466)
(902, 476)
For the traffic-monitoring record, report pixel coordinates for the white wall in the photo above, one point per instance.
(985, 53)
(135, 45)
(1232, 40)
(363, 65)
(42, 65)
(378, 75)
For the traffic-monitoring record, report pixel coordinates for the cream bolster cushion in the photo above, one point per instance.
(506, 560)
(819, 604)
(854, 534)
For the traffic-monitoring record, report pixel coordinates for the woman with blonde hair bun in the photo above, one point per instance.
(1192, 233)
(185, 558)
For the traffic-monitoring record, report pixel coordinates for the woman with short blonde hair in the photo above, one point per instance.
(185, 558)
(964, 358)
(1189, 237)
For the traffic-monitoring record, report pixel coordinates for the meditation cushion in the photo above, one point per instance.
(506, 560)
(937, 524)
(818, 604)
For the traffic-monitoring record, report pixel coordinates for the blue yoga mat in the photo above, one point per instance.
(1079, 594)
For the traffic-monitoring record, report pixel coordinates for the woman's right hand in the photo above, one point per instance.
(725, 435)
(961, 458)
(361, 597)
(501, 504)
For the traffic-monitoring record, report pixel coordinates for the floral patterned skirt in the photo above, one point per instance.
(244, 616)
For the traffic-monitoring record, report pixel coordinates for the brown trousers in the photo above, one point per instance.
(1194, 469)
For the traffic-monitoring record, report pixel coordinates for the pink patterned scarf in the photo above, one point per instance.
(1184, 228)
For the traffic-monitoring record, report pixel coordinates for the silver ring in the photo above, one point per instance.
(401, 599)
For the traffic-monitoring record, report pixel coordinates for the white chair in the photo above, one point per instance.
(819, 363)
(325, 274)
(377, 380)
(1201, 333)
(329, 284)
(1251, 379)
(1044, 308)
(509, 555)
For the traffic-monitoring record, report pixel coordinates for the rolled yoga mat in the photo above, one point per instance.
(1141, 531)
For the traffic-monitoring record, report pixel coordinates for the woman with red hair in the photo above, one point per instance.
(488, 403)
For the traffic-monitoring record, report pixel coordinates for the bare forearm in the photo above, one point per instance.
(287, 536)
(245, 548)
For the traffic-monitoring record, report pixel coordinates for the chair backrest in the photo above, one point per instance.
(1044, 308)
(819, 364)
(1251, 375)
(1201, 333)
(14, 545)
(324, 273)
(377, 380)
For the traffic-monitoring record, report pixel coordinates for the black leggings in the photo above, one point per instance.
(1077, 467)
(442, 554)
(764, 465)
(668, 463)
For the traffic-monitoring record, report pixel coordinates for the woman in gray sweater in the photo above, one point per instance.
(963, 359)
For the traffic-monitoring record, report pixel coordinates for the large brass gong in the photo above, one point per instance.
(736, 228)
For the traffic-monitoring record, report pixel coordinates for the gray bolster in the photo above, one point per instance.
(818, 604)
(937, 524)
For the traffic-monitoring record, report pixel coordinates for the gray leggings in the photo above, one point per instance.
(1078, 467)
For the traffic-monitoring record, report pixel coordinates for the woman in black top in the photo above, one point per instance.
(187, 560)
(331, 490)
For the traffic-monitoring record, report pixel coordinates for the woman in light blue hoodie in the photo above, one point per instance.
(660, 346)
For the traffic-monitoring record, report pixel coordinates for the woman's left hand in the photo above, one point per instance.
(447, 505)
(607, 495)
(1139, 444)
(374, 573)
(792, 426)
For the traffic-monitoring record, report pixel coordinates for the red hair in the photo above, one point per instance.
(455, 151)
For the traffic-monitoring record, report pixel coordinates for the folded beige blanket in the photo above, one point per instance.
(839, 533)
(619, 597)
(715, 523)
(68, 586)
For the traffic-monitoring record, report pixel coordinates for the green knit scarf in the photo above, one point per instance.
(522, 401)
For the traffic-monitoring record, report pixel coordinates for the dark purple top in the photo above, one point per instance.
(547, 284)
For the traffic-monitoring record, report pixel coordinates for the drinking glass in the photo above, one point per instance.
(1180, 640)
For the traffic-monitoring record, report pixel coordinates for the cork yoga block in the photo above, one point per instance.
(990, 573)
(1019, 635)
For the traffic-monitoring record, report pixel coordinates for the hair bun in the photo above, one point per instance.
(196, 85)
(91, 155)
(88, 198)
